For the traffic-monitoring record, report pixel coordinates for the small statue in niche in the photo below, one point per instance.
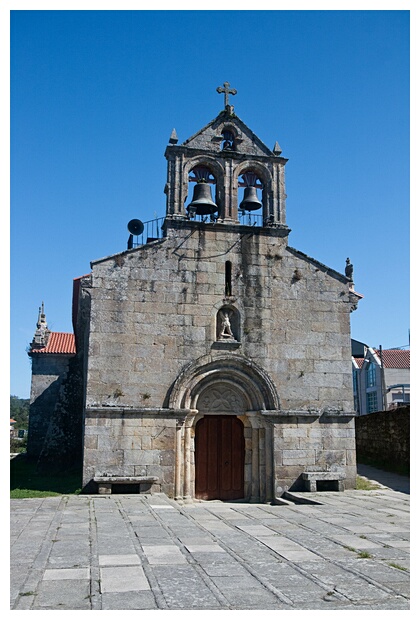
(225, 329)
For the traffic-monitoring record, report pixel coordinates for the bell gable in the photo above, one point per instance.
(229, 134)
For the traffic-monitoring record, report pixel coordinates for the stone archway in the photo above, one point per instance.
(226, 385)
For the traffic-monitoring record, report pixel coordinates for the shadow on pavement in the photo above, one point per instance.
(396, 482)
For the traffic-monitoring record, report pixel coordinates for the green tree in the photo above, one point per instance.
(19, 411)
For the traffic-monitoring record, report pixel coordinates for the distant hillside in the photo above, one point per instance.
(19, 411)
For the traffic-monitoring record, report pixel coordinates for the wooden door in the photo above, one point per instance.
(219, 458)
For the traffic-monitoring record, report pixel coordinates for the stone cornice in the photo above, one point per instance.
(125, 410)
(307, 413)
(177, 222)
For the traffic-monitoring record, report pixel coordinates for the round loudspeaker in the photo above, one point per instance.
(135, 227)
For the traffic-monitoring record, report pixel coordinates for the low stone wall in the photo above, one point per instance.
(384, 437)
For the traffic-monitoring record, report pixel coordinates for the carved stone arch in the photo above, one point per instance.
(263, 171)
(216, 169)
(247, 375)
(228, 126)
(227, 385)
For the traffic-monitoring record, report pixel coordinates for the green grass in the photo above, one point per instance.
(26, 480)
(362, 484)
(397, 566)
(364, 554)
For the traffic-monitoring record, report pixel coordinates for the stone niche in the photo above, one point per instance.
(228, 324)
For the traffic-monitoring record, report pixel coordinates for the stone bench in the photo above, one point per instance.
(311, 478)
(105, 483)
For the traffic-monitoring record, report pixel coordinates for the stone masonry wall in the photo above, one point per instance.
(130, 444)
(384, 437)
(48, 372)
(313, 444)
(153, 311)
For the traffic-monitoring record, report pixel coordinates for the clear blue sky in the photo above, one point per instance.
(96, 94)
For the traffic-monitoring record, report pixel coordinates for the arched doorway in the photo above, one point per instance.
(219, 458)
(225, 385)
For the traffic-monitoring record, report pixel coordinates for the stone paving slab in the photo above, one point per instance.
(350, 551)
(163, 554)
(66, 573)
(123, 579)
(119, 560)
(58, 594)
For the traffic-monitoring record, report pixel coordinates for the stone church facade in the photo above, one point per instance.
(216, 360)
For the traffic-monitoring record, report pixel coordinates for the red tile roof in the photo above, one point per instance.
(392, 358)
(395, 358)
(58, 342)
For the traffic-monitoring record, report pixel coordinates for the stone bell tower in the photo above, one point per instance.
(218, 363)
(227, 155)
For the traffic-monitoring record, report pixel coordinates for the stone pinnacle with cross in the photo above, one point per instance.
(227, 91)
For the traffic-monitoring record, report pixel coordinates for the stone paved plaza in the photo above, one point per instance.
(348, 551)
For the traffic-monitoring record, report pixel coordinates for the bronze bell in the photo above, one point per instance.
(250, 201)
(202, 203)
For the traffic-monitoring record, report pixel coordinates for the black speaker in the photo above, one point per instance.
(135, 227)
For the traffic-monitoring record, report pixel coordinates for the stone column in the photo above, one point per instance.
(269, 470)
(228, 193)
(261, 452)
(187, 457)
(255, 461)
(178, 460)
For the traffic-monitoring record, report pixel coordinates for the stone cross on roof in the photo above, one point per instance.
(227, 91)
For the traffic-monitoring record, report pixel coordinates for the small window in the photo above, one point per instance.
(372, 402)
(228, 278)
(354, 381)
(371, 375)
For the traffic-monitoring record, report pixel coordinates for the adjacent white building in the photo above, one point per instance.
(381, 378)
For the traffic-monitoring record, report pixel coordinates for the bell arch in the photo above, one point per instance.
(231, 137)
(264, 175)
(216, 170)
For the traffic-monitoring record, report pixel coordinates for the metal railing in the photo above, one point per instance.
(152, 232)
(247, 218)
(153, 229)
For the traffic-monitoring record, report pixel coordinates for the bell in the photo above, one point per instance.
(202, 203)
(250, 201)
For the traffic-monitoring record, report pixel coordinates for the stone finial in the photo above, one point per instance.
(42, 332)
(174, 137)
(349, 270)
(277, 150)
